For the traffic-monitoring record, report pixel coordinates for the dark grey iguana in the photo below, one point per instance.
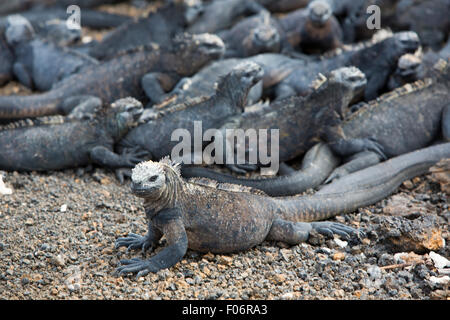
(158, 27)
(120, 77)
(376, 59)
(221, 14)
(406, 119)
(313, 29)
(229, 100)
(409, 69)
(90, 18)
(253, 35)
(210, 217)
(300, 120)
(430, 19)
(71, 144)
(38, 64)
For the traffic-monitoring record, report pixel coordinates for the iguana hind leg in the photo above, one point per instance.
(297, 232)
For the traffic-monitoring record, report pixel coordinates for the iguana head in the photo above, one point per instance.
(123, 115)
(264, 38)
(319, 12)
(401, 43)
(196, 50)
(19, 30)
(193, 9)
(238, 82)
(408, 65)
(155, 181)
(349, 77)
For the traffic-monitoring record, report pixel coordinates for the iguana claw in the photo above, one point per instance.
(329, 229)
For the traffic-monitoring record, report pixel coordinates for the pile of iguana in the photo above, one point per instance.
(54, 145)
(121, 77)
(416, 115)
(38, 63)
(207, 216)
(229, 100)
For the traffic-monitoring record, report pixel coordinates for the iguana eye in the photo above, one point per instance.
(153, 178)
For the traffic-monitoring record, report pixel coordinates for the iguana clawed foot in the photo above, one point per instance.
(134, 242)
(328, 228)
(142, 267)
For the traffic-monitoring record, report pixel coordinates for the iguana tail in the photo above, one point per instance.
(361, 188)
(36, 105)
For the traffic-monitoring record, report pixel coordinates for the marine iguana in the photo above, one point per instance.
(300, 120)
(158, 27)
(377, 60)
(313, 29)
(253, 35)
(90, 18)
(221, 14)
(409, 69)
(408, 118)
(154, 136)
(210, 217)
(120, 77)
(429, 19)
(71, 144)
(38, 64)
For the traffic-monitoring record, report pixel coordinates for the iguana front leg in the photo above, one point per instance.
(169, 221)
(135, 241)
(156, 84)
(23, 75)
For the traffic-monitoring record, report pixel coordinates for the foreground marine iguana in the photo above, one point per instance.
(229, 100)
(38, 64)
(210, 217)
(74, 143)
(406, 119)
(120, 77)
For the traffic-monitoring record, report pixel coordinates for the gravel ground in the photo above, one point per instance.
(57, 233)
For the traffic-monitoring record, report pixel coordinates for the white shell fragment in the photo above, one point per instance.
(3, 189)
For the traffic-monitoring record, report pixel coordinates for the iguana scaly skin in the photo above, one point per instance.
(120, 77)
(406, 119)
(209, 217)
(71, 144)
